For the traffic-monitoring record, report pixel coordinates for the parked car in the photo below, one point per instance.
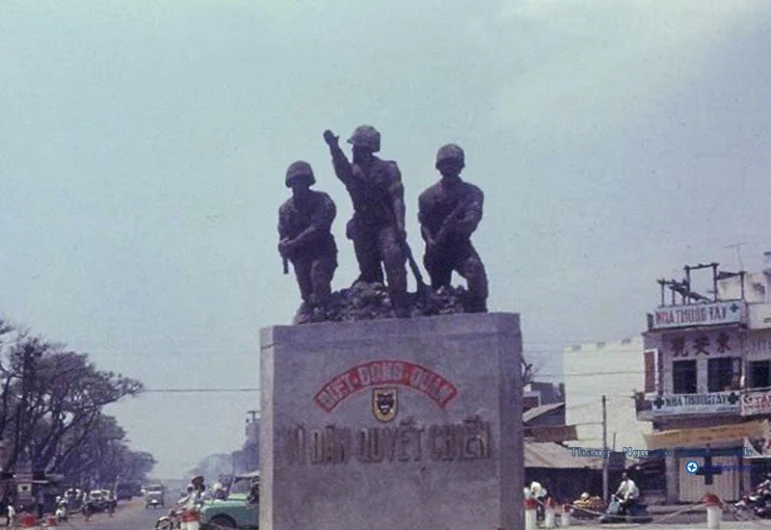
(240, 510)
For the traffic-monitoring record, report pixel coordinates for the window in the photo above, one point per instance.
(684, 377)
(760, 374)
(723, 374)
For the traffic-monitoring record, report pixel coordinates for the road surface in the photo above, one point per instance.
(134, 516)
(129, 516)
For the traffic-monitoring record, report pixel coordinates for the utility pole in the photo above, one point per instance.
(605, 448)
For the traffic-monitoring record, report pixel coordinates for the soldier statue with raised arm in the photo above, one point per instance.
(377, 227)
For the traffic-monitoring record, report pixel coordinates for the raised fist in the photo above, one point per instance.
(330, 138)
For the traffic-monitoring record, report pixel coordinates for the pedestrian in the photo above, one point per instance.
(538, 493)
(40, 503)
(10, 512)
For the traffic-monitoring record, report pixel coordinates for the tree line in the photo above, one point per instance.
(51, 414)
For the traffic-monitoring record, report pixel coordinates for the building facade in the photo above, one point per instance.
(707, 374)
(537, 394)
(614, 369)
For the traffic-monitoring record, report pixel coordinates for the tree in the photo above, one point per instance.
(529, 370)
(51, 403)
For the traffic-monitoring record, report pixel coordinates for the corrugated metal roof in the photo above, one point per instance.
(533, 413)
(555, 456)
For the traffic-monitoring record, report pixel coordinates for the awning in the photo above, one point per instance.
(707, 435)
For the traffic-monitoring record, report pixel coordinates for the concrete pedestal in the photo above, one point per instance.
(549, 518)
(565, 520)
(392, 424)
(714, 517)
(531, 516)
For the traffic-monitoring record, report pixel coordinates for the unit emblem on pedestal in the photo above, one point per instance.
(384, 403)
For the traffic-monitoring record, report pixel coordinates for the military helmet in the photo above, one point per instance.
(366, 136)
(298, 170)
(450, 152)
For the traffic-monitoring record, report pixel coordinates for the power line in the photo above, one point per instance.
(597, 395)
(197, 390)
(591, 374)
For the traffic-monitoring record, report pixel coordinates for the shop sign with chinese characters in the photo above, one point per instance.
(714, 314)
(701, 343)
(755, 403)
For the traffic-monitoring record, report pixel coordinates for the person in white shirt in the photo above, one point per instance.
(539, 493)
(627, 492)
(189, 504)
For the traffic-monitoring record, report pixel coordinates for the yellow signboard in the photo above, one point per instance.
(700, 437)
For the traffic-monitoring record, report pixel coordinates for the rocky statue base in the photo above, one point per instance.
(371, 301)
(393, 424)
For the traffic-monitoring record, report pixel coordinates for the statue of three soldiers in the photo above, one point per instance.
(449, 212)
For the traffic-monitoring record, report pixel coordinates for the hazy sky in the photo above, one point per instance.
(143, 147)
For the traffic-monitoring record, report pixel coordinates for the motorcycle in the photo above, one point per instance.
(635, 512)
(759, 502)
(170, 521)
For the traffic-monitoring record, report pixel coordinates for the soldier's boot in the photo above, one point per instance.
(474, 272)
(304, 314)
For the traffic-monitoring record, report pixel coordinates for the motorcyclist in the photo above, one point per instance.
(220, 493)
(765, 486)
(627, 493)
(760, 495)
(191, 503)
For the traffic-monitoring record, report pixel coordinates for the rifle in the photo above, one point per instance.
(450, 219)
(284, 259)
(422, 287)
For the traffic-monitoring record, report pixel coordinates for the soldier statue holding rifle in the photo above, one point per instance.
(304, 227)
(449, 212)
(377, 227)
